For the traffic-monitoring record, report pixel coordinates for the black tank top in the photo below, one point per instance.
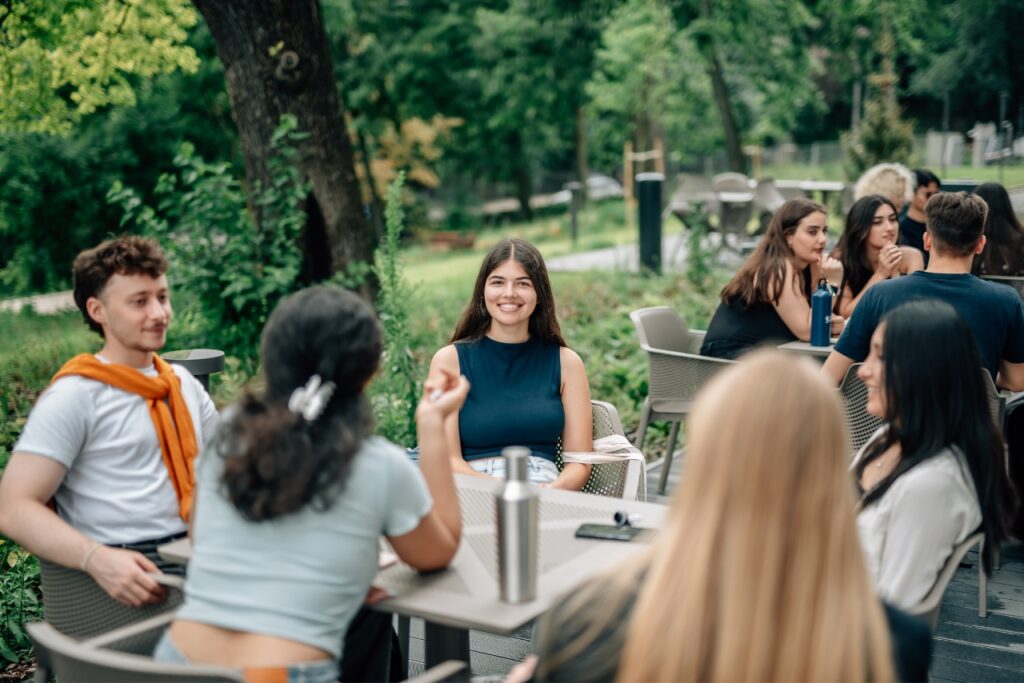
(735, 329)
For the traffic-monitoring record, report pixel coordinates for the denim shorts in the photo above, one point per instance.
(538, 470)
(311, 672)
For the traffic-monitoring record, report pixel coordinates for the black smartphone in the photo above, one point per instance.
(607, 532)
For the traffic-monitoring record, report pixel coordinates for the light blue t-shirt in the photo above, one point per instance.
(305, 575)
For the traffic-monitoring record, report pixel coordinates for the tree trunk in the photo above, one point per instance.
(276, 61)
(520, 175)
(721, 92)
(582, 167)
(376, 203)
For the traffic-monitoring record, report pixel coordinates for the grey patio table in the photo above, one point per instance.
(819, 352)
(465, 596)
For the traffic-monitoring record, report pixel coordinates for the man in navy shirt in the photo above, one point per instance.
(955, 233)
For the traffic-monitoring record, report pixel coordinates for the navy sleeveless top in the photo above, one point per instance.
(735, 329)
(514, 397)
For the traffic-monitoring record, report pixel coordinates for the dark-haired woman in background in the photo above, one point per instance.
(295, 495)
(936, 472)
(868, 250)
(528, 388)
(769, 298)
(1004, 236)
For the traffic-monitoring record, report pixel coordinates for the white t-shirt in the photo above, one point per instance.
(117, 489)
(302, 576)
(910, 532)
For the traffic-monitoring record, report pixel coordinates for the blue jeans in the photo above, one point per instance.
(309, 672)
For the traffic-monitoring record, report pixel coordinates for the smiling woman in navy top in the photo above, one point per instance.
(527, 388)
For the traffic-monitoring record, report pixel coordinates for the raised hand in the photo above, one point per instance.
(889, 259)
(443, 392)
(123, 574)
(831, 269)
(838, 323)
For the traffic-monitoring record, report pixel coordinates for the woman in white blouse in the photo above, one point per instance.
(936, 472)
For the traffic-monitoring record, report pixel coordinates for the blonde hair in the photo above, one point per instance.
(892, 181)
(758, 575)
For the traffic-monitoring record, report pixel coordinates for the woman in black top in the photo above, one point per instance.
(1004, 236)
(769, 298)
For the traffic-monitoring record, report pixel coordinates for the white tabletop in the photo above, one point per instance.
(466, 594)
(804, 347)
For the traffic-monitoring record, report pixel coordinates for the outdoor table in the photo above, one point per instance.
(466, 595)
(735, 197)
(819, 352)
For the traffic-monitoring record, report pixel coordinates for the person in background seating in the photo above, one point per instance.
(1003, 254)
(528, 388)
(936, 471)
(868, 251)
(993, 312)
(757, 573)
(769, 298)
(912, 223)
(895, 182)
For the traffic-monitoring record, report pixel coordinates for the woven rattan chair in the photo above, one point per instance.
(675, 372)
(618, 471)
(101, 659)
(77, 607)
(767, 200)
(930, 605)
(855, 398)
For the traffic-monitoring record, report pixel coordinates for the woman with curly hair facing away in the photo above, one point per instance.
(757, 573)
(295, 495)
(869, 252)
(769, 298)
(528, 388)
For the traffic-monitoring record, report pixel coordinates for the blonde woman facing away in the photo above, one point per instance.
(757, 574)
(527, 387)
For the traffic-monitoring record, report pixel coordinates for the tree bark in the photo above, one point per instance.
(582, 166)
(520, 175)
(276, 61)
(713, 66)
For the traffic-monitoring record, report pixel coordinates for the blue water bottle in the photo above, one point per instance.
(821, 315)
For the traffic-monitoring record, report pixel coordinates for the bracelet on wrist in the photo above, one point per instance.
(88, 555)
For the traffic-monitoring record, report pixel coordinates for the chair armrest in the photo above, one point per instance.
(130, 633)
(451, 670)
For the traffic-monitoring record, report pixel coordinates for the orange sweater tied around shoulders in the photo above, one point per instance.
(167, 409)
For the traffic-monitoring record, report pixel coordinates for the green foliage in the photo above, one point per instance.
(883, 136)
(32, 349)
(229, 269)
(61, 59)
(396, 392)
(698, 257)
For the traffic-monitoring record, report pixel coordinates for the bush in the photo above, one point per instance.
(228, 271)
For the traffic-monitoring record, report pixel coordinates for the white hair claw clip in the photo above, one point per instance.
(309, 401)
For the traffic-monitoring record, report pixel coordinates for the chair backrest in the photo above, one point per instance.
(767, 196)
(929, 606)
(661, 328)
(72, 661)
(76, 606)
(622, 479)
(855, 399)
(731, 182)
(1016, 282)
(692, 186)
(997, 399)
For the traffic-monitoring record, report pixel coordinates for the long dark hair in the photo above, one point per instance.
(761, 278)
(1004, 248)
(276, 462)
(928, 349)
(475, 319)
(852, 249)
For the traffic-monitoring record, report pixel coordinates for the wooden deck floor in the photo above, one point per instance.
(966, 647)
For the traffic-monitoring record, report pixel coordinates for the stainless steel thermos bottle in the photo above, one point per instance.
(821, 315)
(518, 534)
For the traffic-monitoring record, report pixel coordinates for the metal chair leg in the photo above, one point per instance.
(667, 462)
(645, 419)
(982, 584)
